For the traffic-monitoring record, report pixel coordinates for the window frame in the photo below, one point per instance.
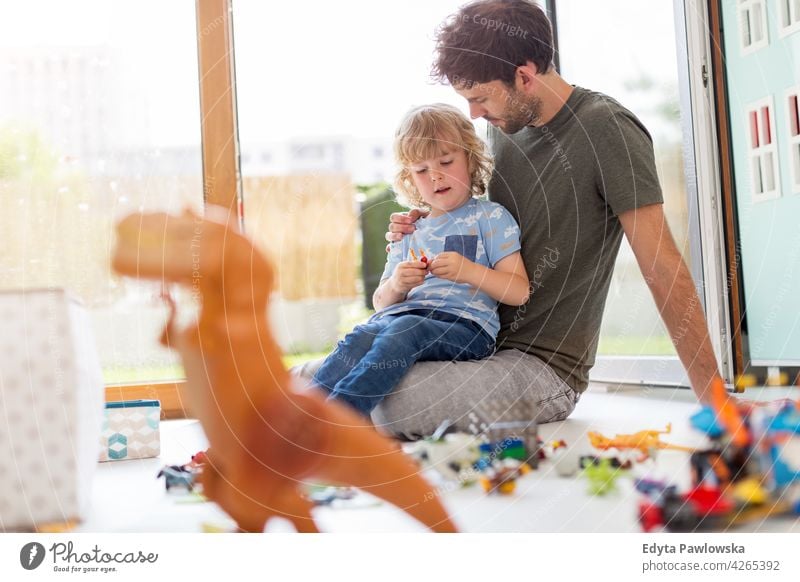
(220, 155)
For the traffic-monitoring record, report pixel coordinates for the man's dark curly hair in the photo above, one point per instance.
(487, 40)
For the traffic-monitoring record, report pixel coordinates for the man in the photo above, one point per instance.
(576, 170)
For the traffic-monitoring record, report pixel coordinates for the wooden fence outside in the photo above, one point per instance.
(307, 225)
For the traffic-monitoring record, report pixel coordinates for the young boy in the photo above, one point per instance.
(438, 295)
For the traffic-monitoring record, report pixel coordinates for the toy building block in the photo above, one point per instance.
(744, 381)
(453, 456)
(601, 474)
(775, 377)
(748, 473)
(501, 476)
(181, 476)
(265, 439)
(509, 430)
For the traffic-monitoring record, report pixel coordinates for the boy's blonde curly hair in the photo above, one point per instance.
(427, 132)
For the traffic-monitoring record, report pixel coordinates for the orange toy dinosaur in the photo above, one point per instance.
(265, 438)
(645, 441)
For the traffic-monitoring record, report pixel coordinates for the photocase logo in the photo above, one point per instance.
(31, 555)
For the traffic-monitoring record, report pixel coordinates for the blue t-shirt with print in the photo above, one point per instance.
(483, 232)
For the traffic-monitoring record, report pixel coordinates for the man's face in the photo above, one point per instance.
(505, 107)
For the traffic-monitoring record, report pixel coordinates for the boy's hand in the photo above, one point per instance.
(402, 223)
(407, 275)
(453, 267)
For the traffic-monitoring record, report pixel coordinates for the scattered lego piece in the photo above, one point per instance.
(645, 441)
(501, 476)
(180, 476)
(601, 475)
(749, 472)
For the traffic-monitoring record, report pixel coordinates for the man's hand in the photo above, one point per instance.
(453, 267)
(402, 223)
(407, 275)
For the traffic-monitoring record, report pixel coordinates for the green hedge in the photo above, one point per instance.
(375, 212)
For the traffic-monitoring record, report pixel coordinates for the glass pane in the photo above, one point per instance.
(318, 108)
(99, 117)
(626, 49)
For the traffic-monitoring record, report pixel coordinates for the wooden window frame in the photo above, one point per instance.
(220, 145)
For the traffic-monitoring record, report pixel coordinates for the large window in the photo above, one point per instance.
(319, 100)
(99, 117)
(626, 49)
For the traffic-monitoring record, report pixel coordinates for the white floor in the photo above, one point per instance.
(127, 497)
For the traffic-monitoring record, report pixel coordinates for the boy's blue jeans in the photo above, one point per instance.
(372, 359)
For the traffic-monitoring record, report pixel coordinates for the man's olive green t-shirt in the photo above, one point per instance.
(565, 183)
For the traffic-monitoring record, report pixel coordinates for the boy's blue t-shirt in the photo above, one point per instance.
(483, 232)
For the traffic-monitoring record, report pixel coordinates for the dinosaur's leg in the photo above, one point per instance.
(296, 509)
(357, 455)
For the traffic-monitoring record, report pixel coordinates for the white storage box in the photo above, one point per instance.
(51, 409)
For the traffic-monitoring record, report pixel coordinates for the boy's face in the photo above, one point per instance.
(505, 107)
(443, 181)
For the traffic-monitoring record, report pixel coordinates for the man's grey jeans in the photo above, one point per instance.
(433, 392)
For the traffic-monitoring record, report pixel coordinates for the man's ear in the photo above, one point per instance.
(525, 75)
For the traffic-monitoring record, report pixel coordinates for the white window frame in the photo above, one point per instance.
(747, 11)
(789, 11)
(761, 156)
(793, 136)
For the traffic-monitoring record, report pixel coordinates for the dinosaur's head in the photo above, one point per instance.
(201, 251)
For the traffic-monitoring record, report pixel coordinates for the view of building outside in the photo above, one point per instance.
(319, 100)
(626, 49)
(99, 117)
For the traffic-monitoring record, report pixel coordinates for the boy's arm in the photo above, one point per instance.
(385, 295)
(406, 276)
(674, 293)
(507, 282)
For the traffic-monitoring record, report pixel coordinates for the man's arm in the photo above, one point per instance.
(674, 292)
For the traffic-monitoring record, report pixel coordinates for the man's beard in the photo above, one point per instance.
(520, 113)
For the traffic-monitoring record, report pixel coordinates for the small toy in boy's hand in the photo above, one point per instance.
(422, 258)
